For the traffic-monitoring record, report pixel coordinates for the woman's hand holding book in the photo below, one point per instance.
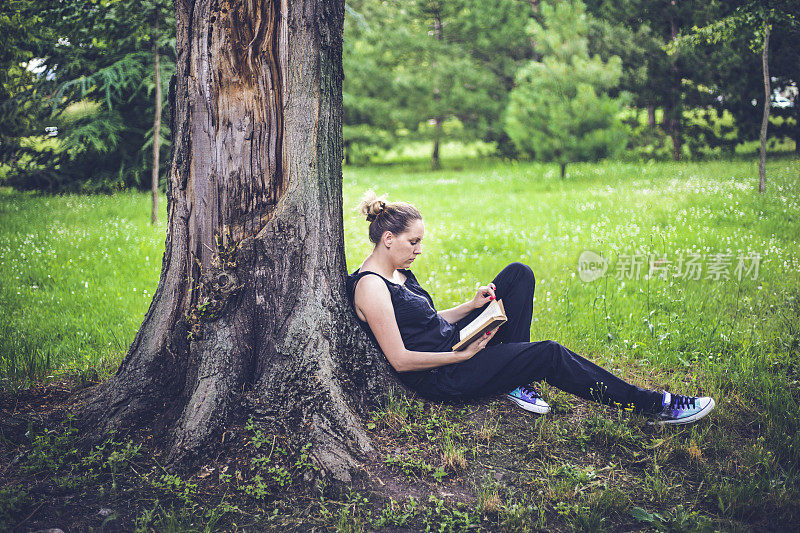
(484, 295)
(477, 345)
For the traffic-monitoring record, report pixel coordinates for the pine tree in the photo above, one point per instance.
(560, 109)
(96, 85)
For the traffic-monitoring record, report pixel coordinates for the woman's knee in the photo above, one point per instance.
(555, 354)
(521, 271)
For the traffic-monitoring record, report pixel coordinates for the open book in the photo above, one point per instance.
(490, 318)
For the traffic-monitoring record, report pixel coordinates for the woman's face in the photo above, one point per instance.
(406, 246)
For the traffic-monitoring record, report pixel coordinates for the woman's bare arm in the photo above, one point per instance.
(373, 300)
(454, 314)
(482, 296)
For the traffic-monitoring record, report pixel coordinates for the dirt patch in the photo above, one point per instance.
(485, 465)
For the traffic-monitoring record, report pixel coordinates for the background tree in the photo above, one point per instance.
(785, 71)
(370, 101)
(156, 135)
(493, 33)
(560, 109)
(658, 23)
(754, 20)
(97, 74)
(250, 316)
(21, 107)
(441, 89)
(431, 70)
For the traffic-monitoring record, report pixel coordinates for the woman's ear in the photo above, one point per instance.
(387, 239)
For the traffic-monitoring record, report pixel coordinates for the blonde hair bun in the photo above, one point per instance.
(386, 216)
(371, 205)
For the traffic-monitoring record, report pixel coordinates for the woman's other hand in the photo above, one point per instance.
(478, 344)
(484, 295)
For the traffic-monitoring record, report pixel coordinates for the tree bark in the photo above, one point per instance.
(673, 110)
(563, 170)
(651, 116)
(436, 163)
(437, 97)
(762, 154)
(250, 314)
(797, 137)
(156, 127)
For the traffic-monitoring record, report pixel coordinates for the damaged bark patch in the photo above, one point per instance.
(216, 288)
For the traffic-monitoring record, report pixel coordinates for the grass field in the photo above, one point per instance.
(77, 274)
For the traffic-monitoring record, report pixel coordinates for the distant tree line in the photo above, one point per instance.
(662, 79)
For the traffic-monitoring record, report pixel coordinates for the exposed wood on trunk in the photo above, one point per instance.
(156, 127)
(251, 311)
(762, 154)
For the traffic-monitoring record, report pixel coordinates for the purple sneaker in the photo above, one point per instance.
(683, 409)
(528, 399)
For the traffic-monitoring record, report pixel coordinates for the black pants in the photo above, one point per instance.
(511, 360)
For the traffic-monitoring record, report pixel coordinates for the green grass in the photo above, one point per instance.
(77, 274)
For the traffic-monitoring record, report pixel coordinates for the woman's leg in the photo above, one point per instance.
(515, 285)
(510, 360)
(500, 368)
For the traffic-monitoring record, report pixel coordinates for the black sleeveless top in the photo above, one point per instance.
(421, 327)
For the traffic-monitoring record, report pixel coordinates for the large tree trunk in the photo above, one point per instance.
(762, 154)
(250, 311)
(156, 129)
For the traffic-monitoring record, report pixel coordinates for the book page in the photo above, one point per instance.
(492, 310)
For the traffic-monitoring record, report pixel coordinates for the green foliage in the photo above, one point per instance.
(395, 514)
(12, 500)
(177, 487)
(678, 519)
(439, 517)
(560, 109)
(414, 467)
(52, 449)
(271, 467)
(111, 457)
(408, 65)
(109, 71)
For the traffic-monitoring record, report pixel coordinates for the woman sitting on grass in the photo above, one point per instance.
(417, 340)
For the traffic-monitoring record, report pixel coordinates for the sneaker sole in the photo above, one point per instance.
(689, 419)
(529, 407)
